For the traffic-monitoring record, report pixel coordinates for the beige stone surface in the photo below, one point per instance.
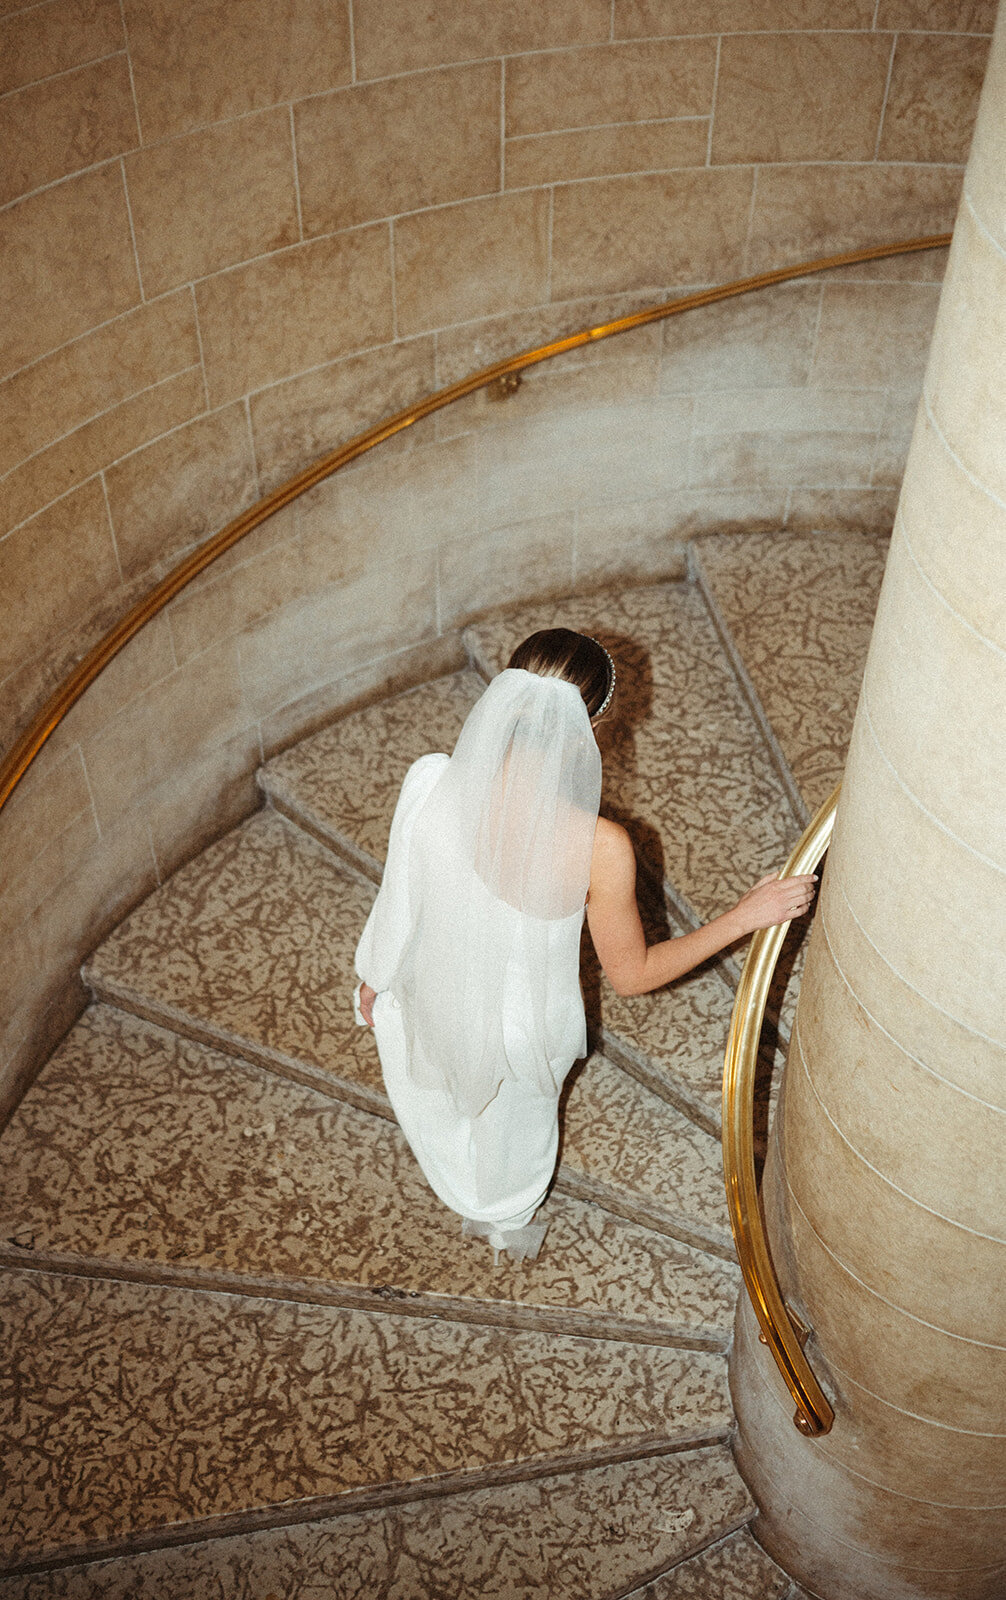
(960, 679)
(596, 152)
(933, 97)
(803, 212)
(308, 305)
(578, 1536)
(774, 460)
(654, 17)
(969, 571)
(209, 199)
(223, 985)
(201, 799)
(971, 16)
(39, 41)
(62, 124)
(621, 83)
(586, 455)
(735, 1569)
(67, 261)
(759, 340)
(895, 437)
(964, 396)
(297, 421)
(471, 260)
(169, 495)
(626, 233)
(984, 182)
(185, 716)
(875, 334)
(466, 348)
(47, 824)
(865, 1520)
(59, 393)
(398, 145)
(45, 951)
(390, 37)
(887, 1120)
(900, 1245)
(960, 1055)
(147, 659)
(234, 595)
(911, 1364)
(912, 862)
(798, 613)
(321, 639)
(800, 97)
(386, 509)
(118, 432)
(906, 1450)
(75, 535)
(198, 63)
(481, 571)
(299, 1402)
(181, 1155)
(855, 511)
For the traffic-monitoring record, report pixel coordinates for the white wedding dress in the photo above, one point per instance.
(493, 1168)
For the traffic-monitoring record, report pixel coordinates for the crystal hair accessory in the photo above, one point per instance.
(606, 702)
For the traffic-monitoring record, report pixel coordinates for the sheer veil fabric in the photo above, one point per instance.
(477, 939)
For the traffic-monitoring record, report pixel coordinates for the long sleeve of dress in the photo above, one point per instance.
(383, 939)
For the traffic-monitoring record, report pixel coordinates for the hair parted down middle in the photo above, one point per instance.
(580, 660)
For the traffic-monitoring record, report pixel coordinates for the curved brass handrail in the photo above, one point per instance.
(47, 720)
(784, 1334)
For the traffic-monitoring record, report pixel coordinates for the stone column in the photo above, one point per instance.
(885, 1188)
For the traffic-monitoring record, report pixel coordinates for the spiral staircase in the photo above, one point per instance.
(250, 1356)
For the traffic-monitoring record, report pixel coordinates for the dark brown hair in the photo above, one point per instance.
(561, 653)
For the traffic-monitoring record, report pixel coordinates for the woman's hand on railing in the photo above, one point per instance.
(775, 900)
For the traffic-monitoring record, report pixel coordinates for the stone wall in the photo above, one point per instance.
(233, 237)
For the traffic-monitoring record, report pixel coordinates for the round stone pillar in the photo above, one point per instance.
(885, 1189)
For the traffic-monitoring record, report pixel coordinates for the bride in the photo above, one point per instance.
(469, 961)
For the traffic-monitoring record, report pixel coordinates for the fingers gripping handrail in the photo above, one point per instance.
(48, 718)
(780, 1329)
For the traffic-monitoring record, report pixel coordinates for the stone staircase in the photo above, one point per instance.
(251, 1356)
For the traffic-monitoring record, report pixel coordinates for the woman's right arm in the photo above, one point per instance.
(633, 967)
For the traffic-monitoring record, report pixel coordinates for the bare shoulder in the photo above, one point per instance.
(614, 859)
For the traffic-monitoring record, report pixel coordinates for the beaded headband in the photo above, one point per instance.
(605, 703)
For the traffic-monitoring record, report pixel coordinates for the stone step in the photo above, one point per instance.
(341, 786)
(158, 1157)
(686, 765)
(142, 1414)
(796, 614)
(734, 1569)
(587, 1535)
(249, 948)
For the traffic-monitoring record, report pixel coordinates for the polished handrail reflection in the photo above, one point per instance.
(780, 1330)
(62, 700)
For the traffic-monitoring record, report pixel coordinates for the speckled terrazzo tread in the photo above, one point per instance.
(180, 1162)
(685, 760)
(734, 1569)
(249, 949)
(796, 614)
(589, 1535)
(142, 1410)
(342, 784)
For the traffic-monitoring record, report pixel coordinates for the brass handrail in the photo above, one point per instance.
(781, 1329)
(47, 720)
